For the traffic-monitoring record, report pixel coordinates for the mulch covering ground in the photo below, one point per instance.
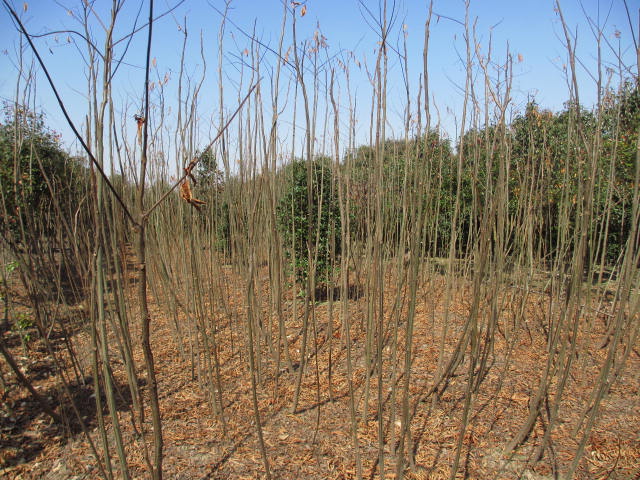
(315, 442)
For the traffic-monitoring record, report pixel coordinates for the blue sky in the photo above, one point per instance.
(531, 29)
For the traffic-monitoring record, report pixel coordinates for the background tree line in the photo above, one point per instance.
(35, 169)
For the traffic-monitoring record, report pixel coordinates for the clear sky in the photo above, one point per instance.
(530, 28)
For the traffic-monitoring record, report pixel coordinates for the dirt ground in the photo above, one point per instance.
(315, 442)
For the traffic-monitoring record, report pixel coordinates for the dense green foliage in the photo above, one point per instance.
(621, 125)
(211, 187)
(568, 153)
(418, 165)
(309, 217)
(551, 168)
(36, 175)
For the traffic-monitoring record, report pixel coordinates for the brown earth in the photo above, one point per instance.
(315, 442)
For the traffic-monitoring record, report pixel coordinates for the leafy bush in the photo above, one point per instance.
(429, 160)
(35, 172)
(309, 217)
(211, 188)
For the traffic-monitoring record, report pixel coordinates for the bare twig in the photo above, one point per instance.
(197, 160)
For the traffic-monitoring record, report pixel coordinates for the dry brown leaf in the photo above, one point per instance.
(185, 193)
(139, 123)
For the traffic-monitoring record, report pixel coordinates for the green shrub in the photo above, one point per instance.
(309, 217)
(35, 171)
